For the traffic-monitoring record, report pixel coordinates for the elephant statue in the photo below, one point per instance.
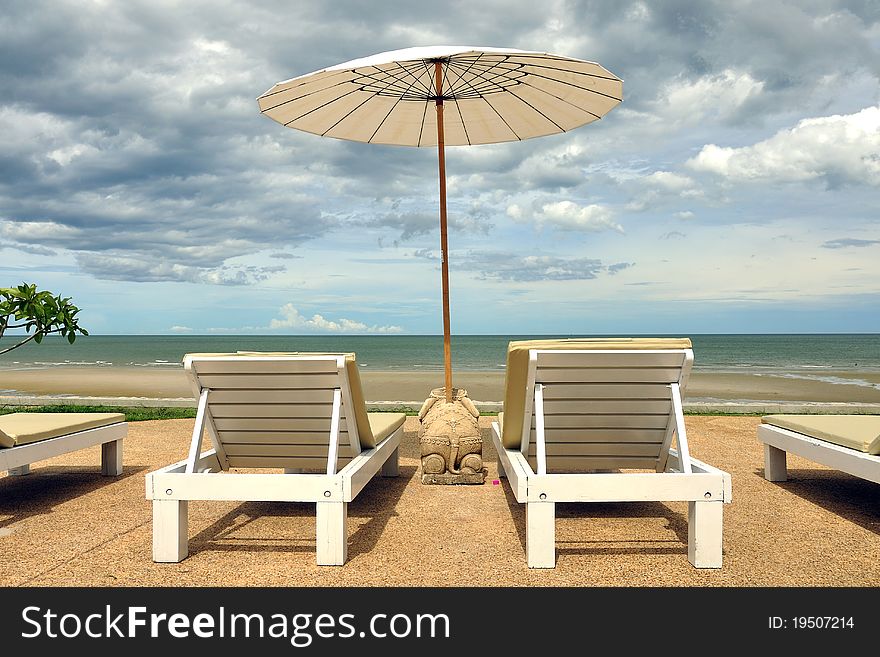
(449, 434)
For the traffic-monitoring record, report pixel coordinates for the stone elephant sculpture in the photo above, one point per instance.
(449, 434)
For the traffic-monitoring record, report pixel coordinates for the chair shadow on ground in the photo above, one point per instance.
(376, 502)
(584, 511)
(40, 491)
(845, 495)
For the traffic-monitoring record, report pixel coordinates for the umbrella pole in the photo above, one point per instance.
(444, 264)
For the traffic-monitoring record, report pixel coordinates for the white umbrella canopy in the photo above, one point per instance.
(493, 95)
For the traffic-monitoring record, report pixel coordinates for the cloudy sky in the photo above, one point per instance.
(735, 189)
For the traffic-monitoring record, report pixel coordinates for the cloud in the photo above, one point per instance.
(120, 266)
(659, 188)
(686, 101)
(292, 319)
(567, 216)
(512, 267)
(28, 248)
(837, 150)
(673, 234)
(845, 242)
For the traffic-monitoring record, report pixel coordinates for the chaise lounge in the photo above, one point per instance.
(300, 413)
(26, 438)
(849, 443)
(594, 420)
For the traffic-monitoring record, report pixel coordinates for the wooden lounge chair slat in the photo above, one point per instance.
(608, 375)
(268, 381)
(264, 367)
(274, 424)
(584, 407)
(607, 421)
(266, 396)
(601, 449)
(282, 449)
(280, 438)
(318, 463)
(623, 435)
(562, 464)
(586, 360)
(586, 392)
(273, 410)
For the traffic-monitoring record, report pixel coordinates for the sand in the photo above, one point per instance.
(415, 386)
(66, 525)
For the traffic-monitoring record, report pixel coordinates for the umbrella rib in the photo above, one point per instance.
(525, 102)
(321, 106)
(311, 93)
(347, 114)
(524, 62)
(570, 84)
(483, 75)
(281, 91)
(485, 99)
(390, 81)
(396, 102)
(425, 105)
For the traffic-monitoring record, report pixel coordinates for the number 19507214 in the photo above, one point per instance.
(811, 623)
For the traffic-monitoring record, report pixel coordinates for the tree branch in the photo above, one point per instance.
(16, 346)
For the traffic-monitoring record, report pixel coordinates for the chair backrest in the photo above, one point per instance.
(277, 410)
(607, 404)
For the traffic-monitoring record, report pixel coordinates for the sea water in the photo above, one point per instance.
(795, 355)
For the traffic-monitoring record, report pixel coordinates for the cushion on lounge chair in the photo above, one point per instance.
(365, 432)
(23, 428)
(383, 425)
(517, 372)
(858, 432)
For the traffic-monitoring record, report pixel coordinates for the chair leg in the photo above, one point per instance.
(775, 467)
(20, 471)
(111, 458)
(541, 534)
(391, 467)
(332, 533)
(704, 533)
(170, 530)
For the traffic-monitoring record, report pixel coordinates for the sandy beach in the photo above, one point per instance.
(69, 526)
(407, 386)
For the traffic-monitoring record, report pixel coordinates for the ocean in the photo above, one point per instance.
(796, 354)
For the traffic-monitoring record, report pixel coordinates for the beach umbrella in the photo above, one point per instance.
(445, 96)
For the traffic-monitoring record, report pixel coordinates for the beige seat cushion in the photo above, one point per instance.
(365, 432)
(858, 432)
(516, 375)
(383, 425)
(23, 428)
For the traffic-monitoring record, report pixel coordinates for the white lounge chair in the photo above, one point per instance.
(26, 438)
(302, 413)
(581, 415)
(849, 443)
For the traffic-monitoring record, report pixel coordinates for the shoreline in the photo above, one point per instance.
(708, 389)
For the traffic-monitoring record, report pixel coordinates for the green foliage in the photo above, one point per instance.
(39, 313)
(132, 413)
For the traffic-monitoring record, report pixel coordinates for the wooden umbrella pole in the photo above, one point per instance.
(444, 264)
